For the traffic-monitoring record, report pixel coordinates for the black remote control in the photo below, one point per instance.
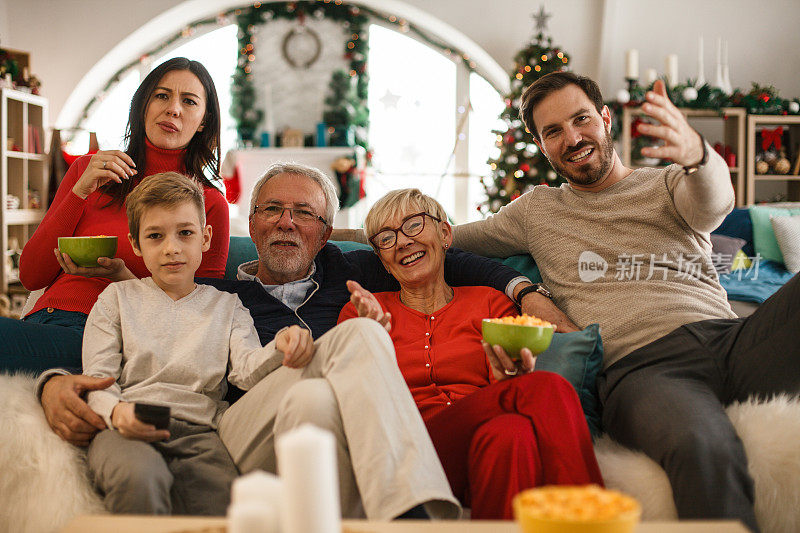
(157, 415)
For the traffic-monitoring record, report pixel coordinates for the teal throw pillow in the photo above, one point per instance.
(241, 250)
(578, 357)
(763, 234)
(524, 264)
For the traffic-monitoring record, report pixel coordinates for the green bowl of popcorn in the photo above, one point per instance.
(84, 251)
(515, 333)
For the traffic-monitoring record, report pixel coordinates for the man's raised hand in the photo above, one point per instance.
(682, 144)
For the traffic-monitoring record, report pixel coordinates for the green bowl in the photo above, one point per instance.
(84, 251)
(515, 337)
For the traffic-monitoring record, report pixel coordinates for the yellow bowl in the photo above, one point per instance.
(84, 251)
(515, 337)
(575, 509)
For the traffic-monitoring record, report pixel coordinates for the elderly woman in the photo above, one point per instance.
(495, 434)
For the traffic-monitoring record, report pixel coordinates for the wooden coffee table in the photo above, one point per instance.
(152, 524)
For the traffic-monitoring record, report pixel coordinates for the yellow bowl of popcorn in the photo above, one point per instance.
(514, 333)
(575, 509)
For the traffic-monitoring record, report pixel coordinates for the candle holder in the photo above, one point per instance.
(632, 83)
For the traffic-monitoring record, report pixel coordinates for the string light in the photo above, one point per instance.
(537, 68)
(527, 68)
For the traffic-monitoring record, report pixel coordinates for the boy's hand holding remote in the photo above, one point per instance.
(131, 427)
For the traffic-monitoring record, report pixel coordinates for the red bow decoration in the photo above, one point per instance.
(770, 137)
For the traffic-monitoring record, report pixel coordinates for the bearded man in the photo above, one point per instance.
(630, 249)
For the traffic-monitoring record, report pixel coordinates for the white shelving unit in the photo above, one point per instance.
(23, 174)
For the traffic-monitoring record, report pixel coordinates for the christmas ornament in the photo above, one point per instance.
(794, 107)
(781, 165)
(762, 167)
(623, 96)
(689, 94)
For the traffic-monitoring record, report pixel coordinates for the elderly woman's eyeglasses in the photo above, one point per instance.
(411, 227)
(298, 215)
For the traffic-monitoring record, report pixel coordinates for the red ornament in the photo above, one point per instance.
(515, 196)
(635, 127)
(525, 167)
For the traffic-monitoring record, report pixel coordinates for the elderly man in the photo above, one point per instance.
(343, 378)
(630, 249)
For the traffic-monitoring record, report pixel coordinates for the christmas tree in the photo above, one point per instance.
(521, 165)
(345, 112)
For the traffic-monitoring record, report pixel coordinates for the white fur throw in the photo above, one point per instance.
(43, 481)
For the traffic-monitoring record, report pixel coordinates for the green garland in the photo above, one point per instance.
(356, 49)
(760, 100)
(243, 110)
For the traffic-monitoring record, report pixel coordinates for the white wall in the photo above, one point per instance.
(4, 37)
(67, 37)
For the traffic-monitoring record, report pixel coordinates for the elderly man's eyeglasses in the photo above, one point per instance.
(411, 227)
(298, 215)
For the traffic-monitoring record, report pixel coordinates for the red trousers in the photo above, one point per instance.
(516, 434)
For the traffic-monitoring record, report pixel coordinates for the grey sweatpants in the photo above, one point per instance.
(668, 399)
(190, 473)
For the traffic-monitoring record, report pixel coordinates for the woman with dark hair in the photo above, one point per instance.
(173, 125)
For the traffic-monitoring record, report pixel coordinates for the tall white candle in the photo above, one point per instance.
(671, 69)
(726, 76)
(632, 64)
(719, 79)
(650, 75)
(307, 466)
(701, 78)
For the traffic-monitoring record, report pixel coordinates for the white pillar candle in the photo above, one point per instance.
(671, 69)
(701, 78)
(650, 76)
(719, 79)
(632, 64)
(307, 466)
(256, 501)
(251, 517)
(258, 487)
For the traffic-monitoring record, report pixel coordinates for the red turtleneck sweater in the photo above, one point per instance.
(70, 215)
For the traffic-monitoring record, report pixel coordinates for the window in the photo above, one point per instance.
(414, 115)
(216, 50)
(414, 121)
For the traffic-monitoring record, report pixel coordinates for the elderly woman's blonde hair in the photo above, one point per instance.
(401, 202)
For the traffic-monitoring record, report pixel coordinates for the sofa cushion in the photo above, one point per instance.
(723, 250)
(763, 234)
(578, 357)
(787, 233)
(738, 224)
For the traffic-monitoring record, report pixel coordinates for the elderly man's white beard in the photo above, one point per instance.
(282, 263)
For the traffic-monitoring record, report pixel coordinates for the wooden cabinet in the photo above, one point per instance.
(754, 122)
(733, 135)
(23, 175)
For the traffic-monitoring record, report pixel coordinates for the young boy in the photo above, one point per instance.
(167, 341)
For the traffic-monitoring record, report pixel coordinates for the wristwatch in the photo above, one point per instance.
(691, 169)
(536, 287)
